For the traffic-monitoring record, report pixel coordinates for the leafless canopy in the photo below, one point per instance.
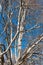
(21, 32)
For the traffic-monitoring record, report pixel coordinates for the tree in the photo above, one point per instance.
(21, 31)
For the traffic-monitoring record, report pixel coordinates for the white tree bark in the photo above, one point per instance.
(21, 34)
(21, 28)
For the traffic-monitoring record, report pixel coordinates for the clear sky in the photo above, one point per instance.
(31, 20)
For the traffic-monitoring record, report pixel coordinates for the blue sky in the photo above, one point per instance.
(29, 18)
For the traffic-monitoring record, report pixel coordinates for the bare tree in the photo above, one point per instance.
(22, 32)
